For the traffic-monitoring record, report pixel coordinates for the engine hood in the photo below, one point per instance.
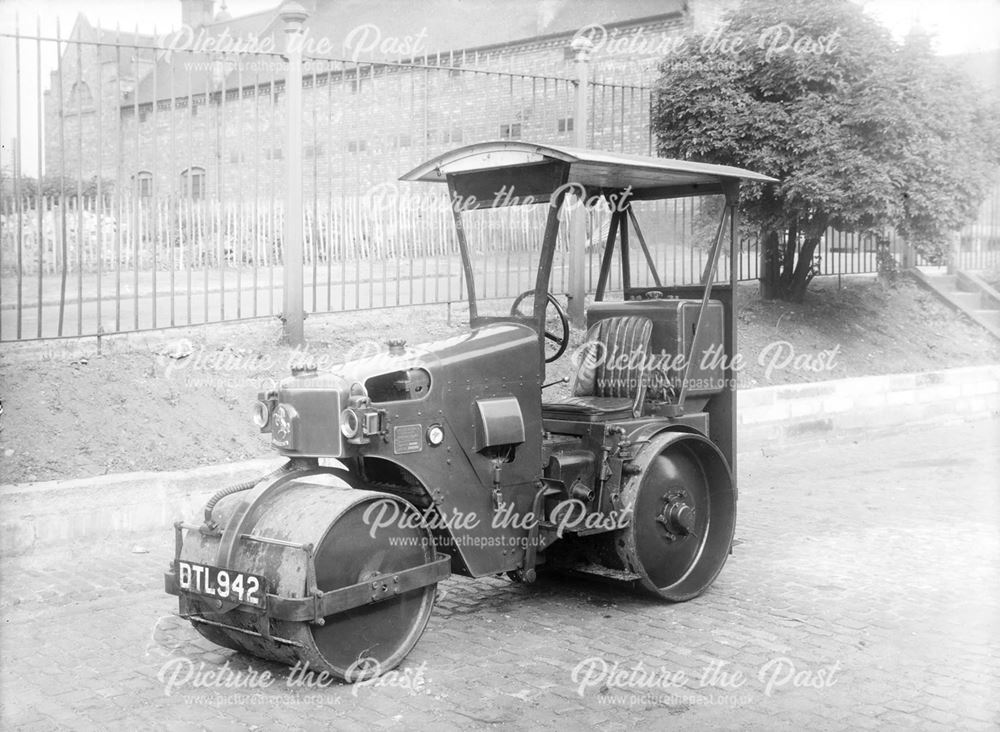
(377, 373)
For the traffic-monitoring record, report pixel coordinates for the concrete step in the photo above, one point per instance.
(963, 285)
(972, 282)
(965, 300)
(966, 294)
(988, 316)
(943, 282)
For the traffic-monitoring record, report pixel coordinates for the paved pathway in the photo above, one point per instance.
(863, 594)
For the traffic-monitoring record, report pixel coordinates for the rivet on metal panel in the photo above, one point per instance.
(317, 618)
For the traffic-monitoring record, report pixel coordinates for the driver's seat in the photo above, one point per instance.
(610, 381)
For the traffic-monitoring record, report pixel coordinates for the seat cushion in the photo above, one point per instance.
(614, 357)
(585, 407)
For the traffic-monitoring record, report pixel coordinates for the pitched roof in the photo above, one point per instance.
(378, 30)
(84, 31)
(181, 69)
(367, 31)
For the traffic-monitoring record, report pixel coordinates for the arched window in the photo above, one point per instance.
(193, 182)
(144, 184)
(79, 96)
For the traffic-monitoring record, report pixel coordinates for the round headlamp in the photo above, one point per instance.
(350, 424)
(261, 414)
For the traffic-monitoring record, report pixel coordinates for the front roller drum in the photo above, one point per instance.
(308, 537)
(683, 506)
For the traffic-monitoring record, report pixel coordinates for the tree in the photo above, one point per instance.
(862, 133)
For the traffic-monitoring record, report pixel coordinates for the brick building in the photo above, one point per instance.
(386, 86)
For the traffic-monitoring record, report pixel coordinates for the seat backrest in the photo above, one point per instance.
(613, 358)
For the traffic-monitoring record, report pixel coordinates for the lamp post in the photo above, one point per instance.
(293, 16)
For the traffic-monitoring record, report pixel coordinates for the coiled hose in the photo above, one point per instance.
(230, 490)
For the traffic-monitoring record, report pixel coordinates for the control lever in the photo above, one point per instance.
(563, 380)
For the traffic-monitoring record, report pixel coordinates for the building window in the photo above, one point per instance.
(451, 136)
(356, 84)
(401, 140)
(274, 153)
(80, 96)
(144, 184)
(565, 124)
(193, 183)
(357, 146)
(314, 151)
(236, 156)
(510, 132)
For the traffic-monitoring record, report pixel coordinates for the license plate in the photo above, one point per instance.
(222, 584)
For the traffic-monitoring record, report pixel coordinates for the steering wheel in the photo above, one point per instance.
(562, 340)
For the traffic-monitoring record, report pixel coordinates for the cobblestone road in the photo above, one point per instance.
(863, 594)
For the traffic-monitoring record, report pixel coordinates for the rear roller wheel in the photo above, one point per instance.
(683, 516)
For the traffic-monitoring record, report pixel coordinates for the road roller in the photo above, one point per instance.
(409, 463)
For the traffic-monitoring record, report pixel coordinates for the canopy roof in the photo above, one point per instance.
(533, 166)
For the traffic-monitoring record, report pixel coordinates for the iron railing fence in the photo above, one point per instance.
(978, 245)
(159, 198)
(160, 201)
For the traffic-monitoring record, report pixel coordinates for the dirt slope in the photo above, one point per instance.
(73, 412)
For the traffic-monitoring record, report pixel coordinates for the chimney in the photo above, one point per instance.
(196, 13)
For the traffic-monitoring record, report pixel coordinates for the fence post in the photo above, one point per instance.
(293, 16)
(582, 47)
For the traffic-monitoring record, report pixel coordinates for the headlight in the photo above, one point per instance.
(261, 414)
(350, 424)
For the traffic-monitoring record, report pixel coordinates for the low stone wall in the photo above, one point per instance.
(864, 405)
(37, 515)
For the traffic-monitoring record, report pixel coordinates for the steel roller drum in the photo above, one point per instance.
(323, 511)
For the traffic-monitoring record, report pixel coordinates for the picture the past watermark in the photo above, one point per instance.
(717, 681)
(184, 356)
